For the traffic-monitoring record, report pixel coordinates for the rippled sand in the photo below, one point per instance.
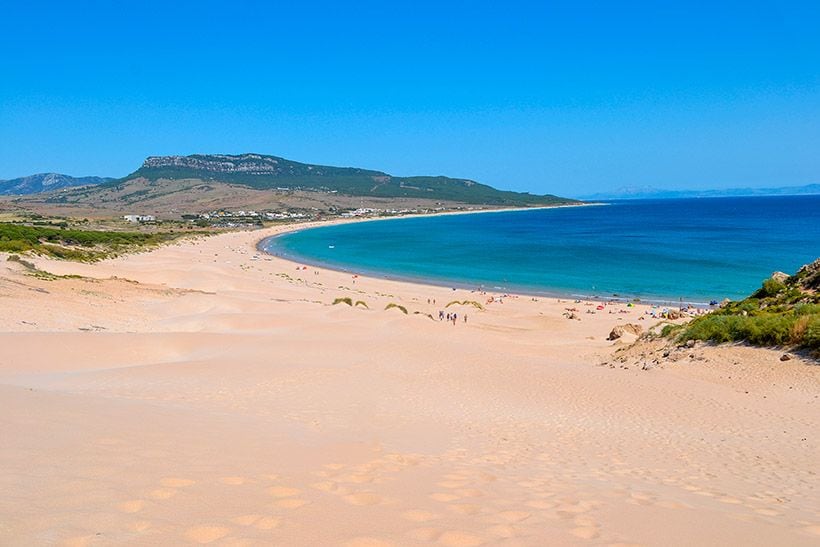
(211, 398)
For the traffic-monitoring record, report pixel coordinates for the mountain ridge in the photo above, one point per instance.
(648, 192)
(46, 182)
(265, 172)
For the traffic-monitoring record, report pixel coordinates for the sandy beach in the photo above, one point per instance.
(206, 393)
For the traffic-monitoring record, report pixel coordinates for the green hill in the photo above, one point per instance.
(263, 172)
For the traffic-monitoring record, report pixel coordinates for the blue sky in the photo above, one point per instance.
(561, 97)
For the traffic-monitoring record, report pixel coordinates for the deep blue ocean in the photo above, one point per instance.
(694, 249)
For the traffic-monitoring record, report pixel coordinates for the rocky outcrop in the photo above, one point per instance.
(807, 277)
(249, 164)
(780, 276)
(629, 329)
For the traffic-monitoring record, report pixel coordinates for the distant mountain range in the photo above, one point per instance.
(646, 192)
(46, 182)
(264, 172)
(173, 185)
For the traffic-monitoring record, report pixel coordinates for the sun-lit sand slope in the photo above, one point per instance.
(205, 396)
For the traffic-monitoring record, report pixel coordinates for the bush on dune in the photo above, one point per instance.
(780, 313)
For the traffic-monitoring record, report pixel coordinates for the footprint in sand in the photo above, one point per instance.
(173, 482)
(162, 493)
(454, 538)
(132, 506)
(267, 523)
(451, 484)
(80, 541)
(514, 516)
(233, 481)
(668, 504)
(465, 508)
(502, 531)
(730, 500)
(246, 520)
(287, 493)
(291, 503)
(139, 526)
(325, 486)
(642, 498)
(585, 521)
(110, 441)
(419, 515)
(206, 534)
(425, 534)
(540, 504)
(283, 491)
(470, 493)
(363, 498)
(238, 542)
(367, 542)
(585, 532)
(813, 530)
(355, 478)
(441, 496)
(570, 510)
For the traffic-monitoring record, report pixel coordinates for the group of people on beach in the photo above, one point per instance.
(450, 316)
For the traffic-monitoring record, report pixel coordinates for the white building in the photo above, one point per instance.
(139, 218)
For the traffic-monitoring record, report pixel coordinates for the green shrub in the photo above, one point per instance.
(811, 336)
(669, 330)
(771, 287)
(799, 328)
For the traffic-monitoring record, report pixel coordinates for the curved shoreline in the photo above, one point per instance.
(454, 284)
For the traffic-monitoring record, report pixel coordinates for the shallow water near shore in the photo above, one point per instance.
(691, 249)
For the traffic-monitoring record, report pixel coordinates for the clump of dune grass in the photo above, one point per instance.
(343, 300)
(424, 314)
(397, 306)
(465, 303)
(34, 271)
(362, 303)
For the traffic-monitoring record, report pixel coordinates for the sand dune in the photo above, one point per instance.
(203, 397)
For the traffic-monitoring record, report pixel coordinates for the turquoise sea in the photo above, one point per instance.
(695, 249)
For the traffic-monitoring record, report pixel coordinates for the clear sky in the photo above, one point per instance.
(562, 97)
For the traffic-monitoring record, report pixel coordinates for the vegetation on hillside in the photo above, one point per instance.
(72, 244)
(346, 180)
(785, 311)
